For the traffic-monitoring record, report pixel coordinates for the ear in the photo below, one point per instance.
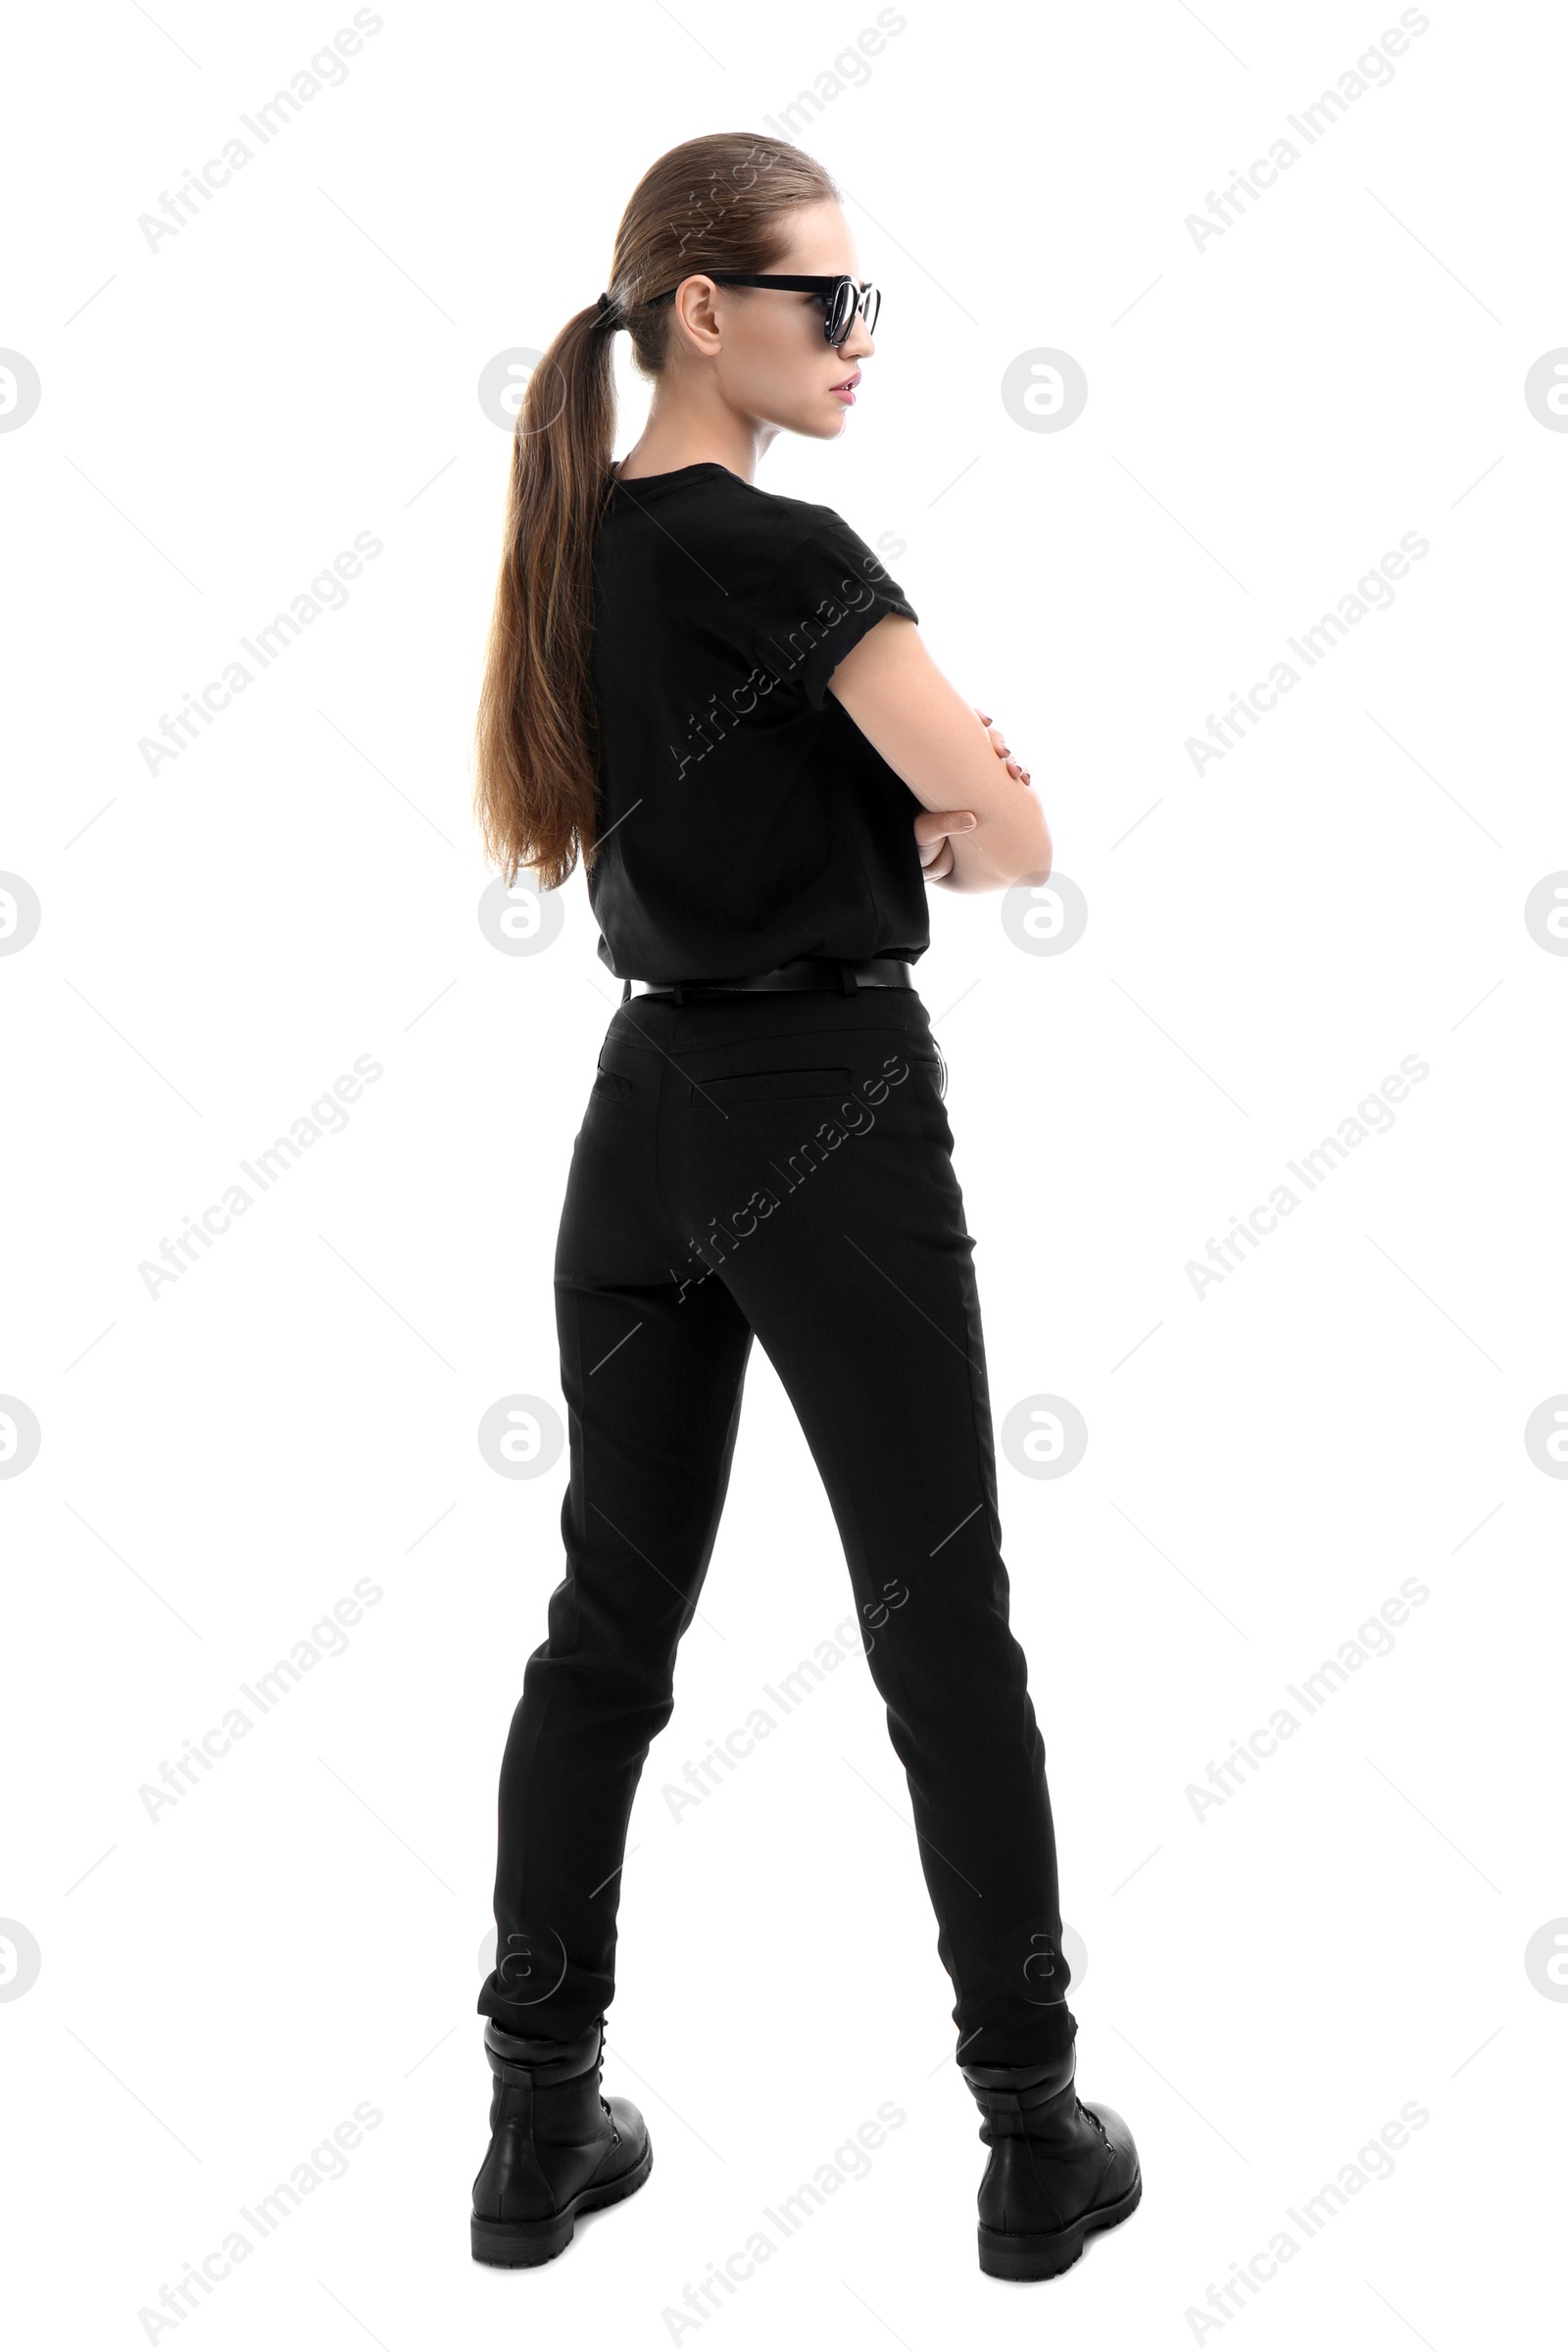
(697, 320)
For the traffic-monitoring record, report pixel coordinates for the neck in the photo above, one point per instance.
(683, 433)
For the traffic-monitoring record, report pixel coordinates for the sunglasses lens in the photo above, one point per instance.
(842, 303)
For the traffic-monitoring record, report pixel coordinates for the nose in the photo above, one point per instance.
(858, 344)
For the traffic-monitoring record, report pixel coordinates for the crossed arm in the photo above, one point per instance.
(927, 733)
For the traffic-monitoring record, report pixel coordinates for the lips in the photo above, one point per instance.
(846, 390)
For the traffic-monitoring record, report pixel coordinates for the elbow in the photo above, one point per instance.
(1033, 875)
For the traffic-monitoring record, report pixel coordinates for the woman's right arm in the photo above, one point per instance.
(931, 737)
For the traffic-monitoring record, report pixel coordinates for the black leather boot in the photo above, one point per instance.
(556, 2147)
(1056, 2170)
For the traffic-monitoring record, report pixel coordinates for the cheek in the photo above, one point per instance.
(780, 375)
(795, 351)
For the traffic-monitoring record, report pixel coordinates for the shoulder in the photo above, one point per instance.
(810, 546)
(773, 529)
(795, 521)
(718, 507)
(825, 590)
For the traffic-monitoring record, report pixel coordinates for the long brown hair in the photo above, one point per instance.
(718, 203)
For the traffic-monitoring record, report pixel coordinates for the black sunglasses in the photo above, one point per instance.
(843, 298)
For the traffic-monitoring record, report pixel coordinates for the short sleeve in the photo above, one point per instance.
(830, 589)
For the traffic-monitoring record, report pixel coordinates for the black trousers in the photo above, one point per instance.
(776, 1165)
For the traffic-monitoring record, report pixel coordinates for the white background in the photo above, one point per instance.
(1267, 1984)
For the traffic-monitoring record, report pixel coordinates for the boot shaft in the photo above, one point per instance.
(549, 2126)
(1048, 2154)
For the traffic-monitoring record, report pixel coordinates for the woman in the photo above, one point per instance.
(720, 698)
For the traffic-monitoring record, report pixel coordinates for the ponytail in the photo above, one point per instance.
(537, 796)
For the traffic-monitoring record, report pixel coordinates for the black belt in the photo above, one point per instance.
(804, 971)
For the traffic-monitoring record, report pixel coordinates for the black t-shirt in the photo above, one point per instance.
(745, 820)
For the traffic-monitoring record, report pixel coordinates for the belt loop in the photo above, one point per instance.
(680, 993)
(847, 980)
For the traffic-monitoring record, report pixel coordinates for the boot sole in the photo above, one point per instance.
(522, 2246)
(1046, 2253)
